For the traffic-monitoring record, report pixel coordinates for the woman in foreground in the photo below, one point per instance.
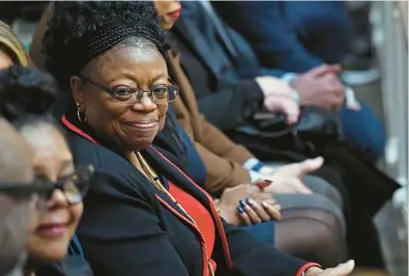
(142, 214)
(26, 96)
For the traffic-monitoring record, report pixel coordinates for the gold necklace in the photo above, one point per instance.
(154, 179)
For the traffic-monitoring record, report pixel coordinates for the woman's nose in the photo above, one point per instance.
(57, 200)
(145, 103)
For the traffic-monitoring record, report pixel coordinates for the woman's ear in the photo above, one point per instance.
(77, 90)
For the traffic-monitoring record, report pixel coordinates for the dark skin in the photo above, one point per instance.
(123, 66)
(133, 67)
(139, 66)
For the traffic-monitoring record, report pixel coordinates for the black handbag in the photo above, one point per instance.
(318, 133)
(314, 132)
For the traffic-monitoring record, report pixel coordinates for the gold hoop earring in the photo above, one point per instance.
(79, 115)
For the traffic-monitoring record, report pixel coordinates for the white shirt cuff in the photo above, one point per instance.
(249, 164)
(254, 176)
(288, 77)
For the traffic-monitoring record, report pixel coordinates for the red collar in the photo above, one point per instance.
(76, 130)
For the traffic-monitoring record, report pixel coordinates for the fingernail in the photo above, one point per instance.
(278, 207)
(242, 203)
(351, 262)
(240, 209)
(264, 204)
(250, 201)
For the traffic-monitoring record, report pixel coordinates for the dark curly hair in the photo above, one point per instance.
(26, 95)
(79, 31)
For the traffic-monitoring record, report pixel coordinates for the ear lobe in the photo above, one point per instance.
(76, 89)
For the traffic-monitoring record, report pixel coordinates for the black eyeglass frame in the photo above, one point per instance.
(45, 188)
(24, 189)
(173, 90)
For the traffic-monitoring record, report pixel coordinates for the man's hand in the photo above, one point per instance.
(344, 269)
(287, 178)
(273, 86)
(320, 87)
(278, 97)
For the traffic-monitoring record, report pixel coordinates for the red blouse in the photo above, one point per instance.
(199, 214)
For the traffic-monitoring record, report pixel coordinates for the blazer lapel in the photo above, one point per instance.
(195, 41)
(176, 175)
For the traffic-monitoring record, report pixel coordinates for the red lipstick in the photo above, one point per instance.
(55, 229)
(175, 14)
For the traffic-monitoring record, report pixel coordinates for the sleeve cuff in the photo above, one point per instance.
(301, 271)
(288, 77)
(254, 176)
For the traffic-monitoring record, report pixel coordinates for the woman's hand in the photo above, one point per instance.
(344, 269)
(247, 204)
(287, 179)
(253, 212)
(286, 184)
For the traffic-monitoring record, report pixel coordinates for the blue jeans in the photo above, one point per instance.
(364, 130)
(323, 27)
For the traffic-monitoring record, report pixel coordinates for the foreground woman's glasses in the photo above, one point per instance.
(73, 186)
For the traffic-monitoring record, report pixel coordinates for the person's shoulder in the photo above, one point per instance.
(86, 152)
(113, 174)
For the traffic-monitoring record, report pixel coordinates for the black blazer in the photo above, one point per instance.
(131, 228)
(223, 80)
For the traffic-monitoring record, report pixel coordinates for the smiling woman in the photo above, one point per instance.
(143, 215)
(26, 96)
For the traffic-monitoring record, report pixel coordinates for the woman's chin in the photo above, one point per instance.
(49, 254)
(141, 143)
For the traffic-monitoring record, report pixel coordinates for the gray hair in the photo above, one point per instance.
(15, 165)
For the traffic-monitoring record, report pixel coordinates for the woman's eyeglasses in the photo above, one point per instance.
(73, 186)
(159, 94)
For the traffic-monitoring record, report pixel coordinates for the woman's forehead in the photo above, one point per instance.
(46, 140)
(147, 62)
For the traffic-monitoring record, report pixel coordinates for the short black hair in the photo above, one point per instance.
(72, 22)
(26, 95)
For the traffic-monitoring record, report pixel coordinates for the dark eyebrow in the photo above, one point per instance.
(158, 77)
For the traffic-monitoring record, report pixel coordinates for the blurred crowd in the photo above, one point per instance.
(189, 138)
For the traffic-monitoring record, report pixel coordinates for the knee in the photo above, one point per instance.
(332, 15)
(321, 238)
(330, 249)
(364, 129)
(321, 187)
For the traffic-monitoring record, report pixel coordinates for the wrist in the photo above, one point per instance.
(309, 269)
(312, 271)
(295, 95)
(267, 170)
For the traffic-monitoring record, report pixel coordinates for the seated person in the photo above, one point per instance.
(314, 212)
(302, 37)
(17, 200)
(120, 91)
(229, 91)
(26, 96)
